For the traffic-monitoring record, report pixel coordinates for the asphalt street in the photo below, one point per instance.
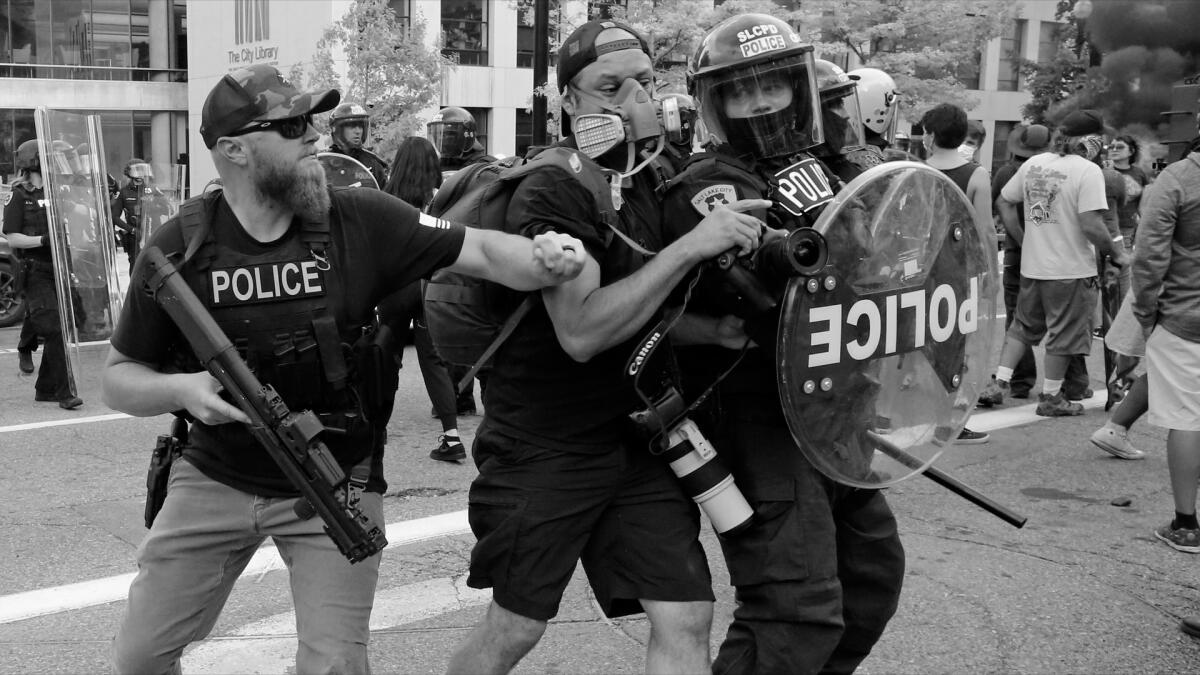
(1083, 588)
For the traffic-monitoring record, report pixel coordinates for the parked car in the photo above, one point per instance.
(12, 307)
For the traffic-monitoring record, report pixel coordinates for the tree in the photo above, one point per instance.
(1070, 74)
(389, 70)
(927, 46)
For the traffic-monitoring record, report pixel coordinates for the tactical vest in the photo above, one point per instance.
(278, 308)
(34, 221)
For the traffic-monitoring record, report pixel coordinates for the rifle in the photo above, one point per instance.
(290, 438)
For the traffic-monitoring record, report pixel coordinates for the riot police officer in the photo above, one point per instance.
(140, 204)
(818, 573)
(452, 132)
(349, 124)
(879, 104)
(27, 227)
(845, 149)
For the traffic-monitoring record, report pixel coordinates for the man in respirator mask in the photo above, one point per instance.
(552, 438)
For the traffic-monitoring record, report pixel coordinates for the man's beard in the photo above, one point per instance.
(294, 187)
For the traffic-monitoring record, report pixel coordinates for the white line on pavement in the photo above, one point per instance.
(30, 604)
(269, 645)
(61, 423)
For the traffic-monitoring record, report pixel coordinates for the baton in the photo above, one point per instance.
(949, 482)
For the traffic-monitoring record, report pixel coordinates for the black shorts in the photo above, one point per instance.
(536, 512)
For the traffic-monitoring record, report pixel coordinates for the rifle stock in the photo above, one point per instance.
(290, 438)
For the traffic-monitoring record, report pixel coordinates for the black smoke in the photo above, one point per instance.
(1148, 46)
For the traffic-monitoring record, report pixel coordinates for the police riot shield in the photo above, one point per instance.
(345, 171)
(882, 355)
(82, 244)
(159, 190)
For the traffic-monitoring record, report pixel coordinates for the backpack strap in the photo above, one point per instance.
(195, 221)
(315, 235)
(510, 324)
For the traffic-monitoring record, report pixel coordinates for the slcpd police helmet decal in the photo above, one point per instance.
(883, 353)
(764, 38)
(713, 196)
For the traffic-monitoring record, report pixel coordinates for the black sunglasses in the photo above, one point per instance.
(288, 127)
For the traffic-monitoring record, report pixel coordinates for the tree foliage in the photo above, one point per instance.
(927, 46)
(389, 70)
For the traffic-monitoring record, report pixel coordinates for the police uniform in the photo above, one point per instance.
(818, 573)
(138, 204)
(294, 308)
(25, 213)
(377, 167)
(559, 479)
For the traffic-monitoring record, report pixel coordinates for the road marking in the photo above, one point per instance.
(30, 604)
(65, 422)
(269, 645)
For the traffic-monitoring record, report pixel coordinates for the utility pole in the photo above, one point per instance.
(541, 66)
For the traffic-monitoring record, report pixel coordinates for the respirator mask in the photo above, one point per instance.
(632, 116)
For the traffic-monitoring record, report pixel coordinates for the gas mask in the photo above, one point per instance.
(632, 116)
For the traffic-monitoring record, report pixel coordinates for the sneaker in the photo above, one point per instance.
(1087, 394)
(1180, 539)
(1057, 406)
(25, 361)
(450, 450)
(993, 393)
(1116, 443)
(70, 403)
(968, 437)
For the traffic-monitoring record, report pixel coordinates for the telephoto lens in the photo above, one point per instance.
(706, 480)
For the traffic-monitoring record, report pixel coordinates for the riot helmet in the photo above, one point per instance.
(27, 158)
(349, 124)
(452, 131)
(62, 158)
(754, 82)
(138, 170)
(879, 101)
(841, 114)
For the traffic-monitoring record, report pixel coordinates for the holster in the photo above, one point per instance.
(375, 366)
(166, 450)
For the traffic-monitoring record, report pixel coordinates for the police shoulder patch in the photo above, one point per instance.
(8, 198)
(713, 196)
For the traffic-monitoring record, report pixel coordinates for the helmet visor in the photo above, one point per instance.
(448, 138)
(768, 109)
(845, 107)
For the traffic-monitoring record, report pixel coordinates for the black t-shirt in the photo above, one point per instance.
(535, 391)
(25, 213)
(378, 244)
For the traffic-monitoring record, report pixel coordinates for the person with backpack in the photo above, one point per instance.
(292, 272)
(560, 479)
(818, 573)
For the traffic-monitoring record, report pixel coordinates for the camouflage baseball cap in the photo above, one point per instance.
(257, 92)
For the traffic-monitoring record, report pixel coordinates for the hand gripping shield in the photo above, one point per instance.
(883, 354)
(345, 171)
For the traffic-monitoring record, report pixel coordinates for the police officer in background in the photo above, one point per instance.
(27, 226)
(226, 495)
(818, 573)
(349, 124)
(845, 149)
(138, 203)
(452, 132)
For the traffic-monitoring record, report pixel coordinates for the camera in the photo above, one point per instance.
(704, 478)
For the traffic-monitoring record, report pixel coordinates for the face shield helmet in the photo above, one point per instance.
(878, 100)
(61, 159)
(753, 80)
(841, 116)
(452, 131)
(27, 158)
(349, 124)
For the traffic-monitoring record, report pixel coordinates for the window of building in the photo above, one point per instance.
(1011, 47)
(603, 9)
(90, 39)
(16, 127)
(1047, 41)
(524, 132)
(525, 43)
(464, 31)
(967, 71)
(403, 10)
(1000, 143)
(483, 122)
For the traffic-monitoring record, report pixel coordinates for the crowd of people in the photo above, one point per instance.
(564, 471)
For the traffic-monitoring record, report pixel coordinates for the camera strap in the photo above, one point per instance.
(635, 367)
